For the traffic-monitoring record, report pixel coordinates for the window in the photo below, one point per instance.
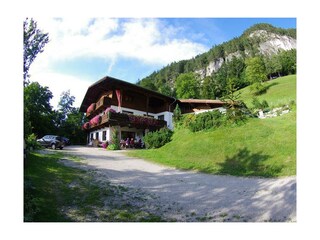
(91, 136)
(97, 135)
(104, 135)
(161, 117)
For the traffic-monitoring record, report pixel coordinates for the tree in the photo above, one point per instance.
(237, 111)
(288, 61)
(71, 127)
(273, 65)
(38, 109)
(34, 41)
(177, 115)
(69, 120)
(207, 88)
(65, 104)
(255, 73)
(166, 90)
(148, 83)
(187, 86)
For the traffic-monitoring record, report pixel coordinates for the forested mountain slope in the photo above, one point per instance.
(276, 47)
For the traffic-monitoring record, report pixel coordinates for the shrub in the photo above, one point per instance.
(258, 89)
(259, 105)
(31, 142)
(205, 121)
(177, 114)
(158, 138)
(115, 142)
(238, 114)
(113, 147)
(188, 119)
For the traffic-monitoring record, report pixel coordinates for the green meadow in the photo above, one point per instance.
(261, 147)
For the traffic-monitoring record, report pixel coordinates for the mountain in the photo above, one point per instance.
(263, 40)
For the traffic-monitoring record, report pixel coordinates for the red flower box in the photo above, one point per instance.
(86, 126)
(95, 121)
(91, 108)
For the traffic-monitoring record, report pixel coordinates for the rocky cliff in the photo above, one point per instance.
(268, 44)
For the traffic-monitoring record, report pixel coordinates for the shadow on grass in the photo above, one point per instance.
(54, 192)
(266, 88)
(246, 163)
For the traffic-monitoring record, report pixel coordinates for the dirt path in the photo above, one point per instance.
(190, 196)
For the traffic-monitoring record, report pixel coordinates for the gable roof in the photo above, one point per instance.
(109, 83)
(203, 101)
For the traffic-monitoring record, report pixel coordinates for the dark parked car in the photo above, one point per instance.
(66, 141)
(52, 141)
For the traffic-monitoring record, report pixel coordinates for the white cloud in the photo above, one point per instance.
(147, 40)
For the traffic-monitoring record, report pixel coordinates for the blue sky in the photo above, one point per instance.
(83, 50)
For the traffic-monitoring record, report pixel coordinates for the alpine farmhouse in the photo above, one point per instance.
(112, 104)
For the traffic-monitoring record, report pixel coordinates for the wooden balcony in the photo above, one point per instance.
(100, 105)
(131, 121)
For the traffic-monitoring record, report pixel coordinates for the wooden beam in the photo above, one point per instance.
(147, 105)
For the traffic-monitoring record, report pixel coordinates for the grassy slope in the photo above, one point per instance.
(281, 91)
(259, 148)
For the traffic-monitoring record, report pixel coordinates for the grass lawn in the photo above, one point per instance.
(54, 192)
(261, 147)
(280, 91)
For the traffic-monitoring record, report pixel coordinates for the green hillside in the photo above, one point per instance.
(279, 92)
(243, 47)
(261, 147)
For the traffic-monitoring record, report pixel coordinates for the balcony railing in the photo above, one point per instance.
(99, 106)
(122, 119)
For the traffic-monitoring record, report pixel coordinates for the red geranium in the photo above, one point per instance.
(91, 108)
(86, 125)
(95, 121)
(109, 109)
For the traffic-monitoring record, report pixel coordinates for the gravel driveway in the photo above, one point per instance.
(191, 196)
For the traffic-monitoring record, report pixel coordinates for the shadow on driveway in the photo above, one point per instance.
(195, 196)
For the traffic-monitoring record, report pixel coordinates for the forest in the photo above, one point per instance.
(168, 79)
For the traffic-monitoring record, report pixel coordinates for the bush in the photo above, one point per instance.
(205, 121)
(238, 114)
(259, 105)
(113, 147)
(158, 138)
(177, 114)
(188, 119)
(115, 142)
(31, 142)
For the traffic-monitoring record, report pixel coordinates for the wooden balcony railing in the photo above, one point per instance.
(122, 119)
(99, 106)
